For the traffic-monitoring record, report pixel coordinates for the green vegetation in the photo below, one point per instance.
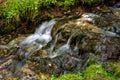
(111, 71)
(95, 72)
(113, 68)
(70, 76)
(22, 15)
(90, 2)
(19, 15)
(16, 8)
(42, 77)
(13, 8)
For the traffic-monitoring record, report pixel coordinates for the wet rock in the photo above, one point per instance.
(97, 37)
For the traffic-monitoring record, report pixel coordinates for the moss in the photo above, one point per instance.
(113, 68)
(42, 76)
(50, 16)
(70, 76)
(16, 79)
(95, 72)
(90, 2)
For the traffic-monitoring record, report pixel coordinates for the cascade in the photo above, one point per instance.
(39, 39)
(65, 49)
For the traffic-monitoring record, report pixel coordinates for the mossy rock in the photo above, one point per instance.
(95, 72)
(70, 76)
(113, 68)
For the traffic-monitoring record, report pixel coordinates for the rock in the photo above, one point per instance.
(1, 77)
(96, 34)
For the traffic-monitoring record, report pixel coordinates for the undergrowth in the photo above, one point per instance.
(19, 15)
(12, 8)
(93, 72)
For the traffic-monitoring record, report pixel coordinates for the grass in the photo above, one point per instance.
(94, 72)
(19, 15)
(69, 76)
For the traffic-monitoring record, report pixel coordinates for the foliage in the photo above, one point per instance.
(70, 76)
(113, 68)
(42, 77)
(89, 2)
(59, 3)
(50, 16)
(95, 72)
(66, 3)
(48, 2)
(10, 9)
(16, 7)
(21, 14)
(13, 8)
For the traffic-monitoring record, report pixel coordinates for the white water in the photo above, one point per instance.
(39, 39)
(65, 49)
(76, 48)
(52, 47)
(91, 16)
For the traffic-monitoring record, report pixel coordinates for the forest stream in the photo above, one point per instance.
(63, 45)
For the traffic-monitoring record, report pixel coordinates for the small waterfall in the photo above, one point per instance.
(89, 17)
(37, 40)
(54, 44)
(65, 49)
(76, 49)
(41, 35)
(46, 27)
(52, 47)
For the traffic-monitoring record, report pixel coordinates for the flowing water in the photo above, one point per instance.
(39, 39)
(71, 48)
(65, 49)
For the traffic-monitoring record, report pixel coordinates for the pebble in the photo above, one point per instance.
(1, 76)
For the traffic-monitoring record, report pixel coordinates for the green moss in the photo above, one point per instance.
(95, 72)
(70, 76)
(42, 77)
(113, 68)
(50, 16)
(16, 79)
(90, 2)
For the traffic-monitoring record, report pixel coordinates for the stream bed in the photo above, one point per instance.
(62, 45)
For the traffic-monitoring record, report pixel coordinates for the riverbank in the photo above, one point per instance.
(25, 16)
